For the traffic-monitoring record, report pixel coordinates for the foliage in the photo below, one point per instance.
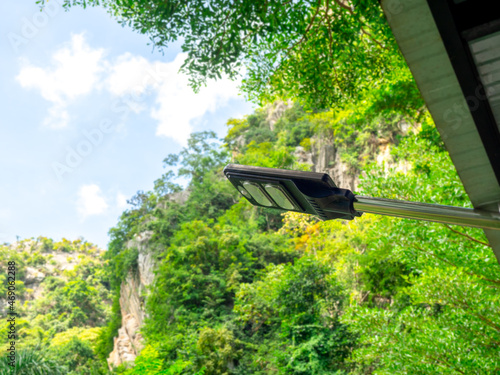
(78, 357)
(104, 343)
(57, 331)
(218, 350)
(88, 335)
(31, 361)
(300, 305)
(440, 321)
(323, 52)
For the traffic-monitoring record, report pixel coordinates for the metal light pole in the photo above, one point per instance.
(429, 212)
(316, 193)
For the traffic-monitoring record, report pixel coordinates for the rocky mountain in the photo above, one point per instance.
(59, 288)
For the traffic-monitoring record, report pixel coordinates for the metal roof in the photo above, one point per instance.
(440, 41)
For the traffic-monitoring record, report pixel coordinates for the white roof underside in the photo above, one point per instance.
(421, 44)
(486, 53)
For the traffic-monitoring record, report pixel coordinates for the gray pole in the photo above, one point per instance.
(429, 212)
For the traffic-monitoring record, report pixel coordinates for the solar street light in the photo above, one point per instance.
(316, 194)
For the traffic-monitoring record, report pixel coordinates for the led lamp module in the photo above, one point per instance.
(257, 194)
(279, 196)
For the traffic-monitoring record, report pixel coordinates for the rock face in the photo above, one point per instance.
(275, 111)
(123, 352)
(128, 344)
(33, 276)
(325, 158)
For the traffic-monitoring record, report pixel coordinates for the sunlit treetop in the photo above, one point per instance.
(323, 53)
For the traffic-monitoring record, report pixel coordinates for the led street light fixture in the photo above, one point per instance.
(316, 194)
(307, 192)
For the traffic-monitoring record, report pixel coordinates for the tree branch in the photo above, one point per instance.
(487, 321)
(444, 362)
(304, 36)
(368, 34)
(467, 236)
(345, 6)
(309, 26)
(373, 39)
(329, 23)
(454, 265)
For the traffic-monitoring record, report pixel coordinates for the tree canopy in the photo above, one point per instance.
(321, 52)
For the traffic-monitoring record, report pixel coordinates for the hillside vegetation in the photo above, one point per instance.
(62, 300)
(246, 290)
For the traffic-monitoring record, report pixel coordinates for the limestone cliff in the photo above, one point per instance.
(133, 291)
(275, 111)
(325, 157)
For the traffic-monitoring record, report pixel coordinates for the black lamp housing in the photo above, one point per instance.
(300, 191)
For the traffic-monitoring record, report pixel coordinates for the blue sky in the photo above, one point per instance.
(89, 111)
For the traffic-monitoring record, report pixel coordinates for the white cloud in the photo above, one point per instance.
(79, 69)
(176, 103)
(121, 201)
(128, 75)
(91, 201)
(188, 105)
(75, 72)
